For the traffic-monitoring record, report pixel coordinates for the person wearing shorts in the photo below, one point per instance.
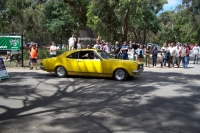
(33, 55)
(53, 50)
(71, 42)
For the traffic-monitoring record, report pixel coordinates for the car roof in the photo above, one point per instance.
(84, 50)
(77, 50)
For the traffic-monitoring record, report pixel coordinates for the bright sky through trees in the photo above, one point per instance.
(171, 4)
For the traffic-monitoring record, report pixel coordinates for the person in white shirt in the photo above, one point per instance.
(131, 52)
(53, 50)
(71, 42)
(172, 50)
(178, 56)
(107, 48)
(179, 44)
(79, 45)
(164, 47)
(196, 52)
(96, 46)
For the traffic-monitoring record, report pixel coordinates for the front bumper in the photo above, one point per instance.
(137, 72)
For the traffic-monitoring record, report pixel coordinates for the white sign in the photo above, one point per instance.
(3, 71)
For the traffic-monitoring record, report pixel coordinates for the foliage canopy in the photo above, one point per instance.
(140, 21)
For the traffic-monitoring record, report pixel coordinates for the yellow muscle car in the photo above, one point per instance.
(91, 62)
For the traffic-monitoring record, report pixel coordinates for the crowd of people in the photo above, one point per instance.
(175, 54)
(170, 55)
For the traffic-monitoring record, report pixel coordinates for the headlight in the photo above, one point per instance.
(140, 66)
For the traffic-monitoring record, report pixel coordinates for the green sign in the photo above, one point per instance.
(10, 42)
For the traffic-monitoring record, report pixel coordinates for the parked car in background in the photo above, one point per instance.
(151, 45)
(59, 46)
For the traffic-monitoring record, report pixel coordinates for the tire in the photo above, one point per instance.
(120, 75)
(61, 72)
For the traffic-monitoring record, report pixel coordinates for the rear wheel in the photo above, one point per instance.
(61, 72)
(120, 74)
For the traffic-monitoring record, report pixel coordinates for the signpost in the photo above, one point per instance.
(14, 42)
(10, 43)
(3, 71)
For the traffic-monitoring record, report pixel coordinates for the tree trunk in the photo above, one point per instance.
(144, 37)
(139, 37)
(136, 38)
(125, 27)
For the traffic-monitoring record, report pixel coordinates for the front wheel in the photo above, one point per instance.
(61, 72)
(120, 74)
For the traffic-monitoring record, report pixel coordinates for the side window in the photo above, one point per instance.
(88, 55)
(96, 56)
(83, 55)
(73, 56)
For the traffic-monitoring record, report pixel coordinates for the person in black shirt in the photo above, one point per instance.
(135, 46)
(116, 50)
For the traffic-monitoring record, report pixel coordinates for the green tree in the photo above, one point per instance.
(78, 10)
(181, 25)
(57, 19)
(130, 19)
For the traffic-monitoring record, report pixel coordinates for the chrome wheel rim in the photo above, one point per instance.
(120, 74)
(61, 71)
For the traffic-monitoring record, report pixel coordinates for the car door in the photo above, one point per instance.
(89, 65)
(71, 63)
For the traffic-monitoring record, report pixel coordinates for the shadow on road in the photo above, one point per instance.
(147, 103)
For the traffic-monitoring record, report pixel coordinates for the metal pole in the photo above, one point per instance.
(61, 42)
(22, 48)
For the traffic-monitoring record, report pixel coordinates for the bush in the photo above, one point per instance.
(26, 55)
(59, 52)
(43, 53)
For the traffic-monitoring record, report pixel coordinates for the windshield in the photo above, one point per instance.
(104, 55)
